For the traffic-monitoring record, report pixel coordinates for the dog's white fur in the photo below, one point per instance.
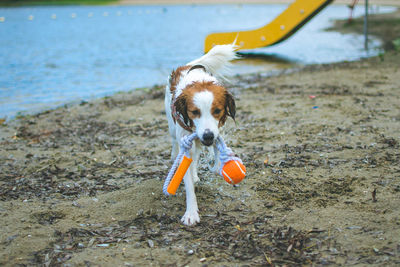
(214, 63)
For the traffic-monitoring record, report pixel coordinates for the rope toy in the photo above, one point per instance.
(232, 168)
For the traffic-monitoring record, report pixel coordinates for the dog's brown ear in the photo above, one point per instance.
(181, 110)
(230, 106)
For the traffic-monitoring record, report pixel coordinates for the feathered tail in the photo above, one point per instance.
(216, 61)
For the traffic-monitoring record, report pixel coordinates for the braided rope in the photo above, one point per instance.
(225, 153)
(186, 142)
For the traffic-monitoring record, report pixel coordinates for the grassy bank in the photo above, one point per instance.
(54, 2)
(385, 26)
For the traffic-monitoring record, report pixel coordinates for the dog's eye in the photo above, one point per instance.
(195, 112)
(217, 111)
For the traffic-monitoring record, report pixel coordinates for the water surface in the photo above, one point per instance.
(56, 55)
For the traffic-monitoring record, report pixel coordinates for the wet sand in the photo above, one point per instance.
(82, 185)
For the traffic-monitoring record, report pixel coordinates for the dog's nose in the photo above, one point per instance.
(208, 138)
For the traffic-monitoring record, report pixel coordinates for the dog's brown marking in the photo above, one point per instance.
(181, 108)
(179, 105)
(175, 77)
(223, 104)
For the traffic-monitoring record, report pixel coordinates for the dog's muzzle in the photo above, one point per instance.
(208, 138)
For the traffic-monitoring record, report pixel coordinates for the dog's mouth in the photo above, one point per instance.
(207, 142)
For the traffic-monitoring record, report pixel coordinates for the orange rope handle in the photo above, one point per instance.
(185, 145)
(179, 174)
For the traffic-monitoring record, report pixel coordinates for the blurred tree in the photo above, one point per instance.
(54, 2)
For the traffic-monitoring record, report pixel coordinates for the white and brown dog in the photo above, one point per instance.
(196, 102)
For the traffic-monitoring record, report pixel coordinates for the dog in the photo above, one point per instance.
(196, 101)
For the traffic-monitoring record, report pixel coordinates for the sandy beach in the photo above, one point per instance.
(81, 185)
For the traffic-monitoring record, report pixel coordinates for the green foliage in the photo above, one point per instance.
(53, 2)
(396, 44)
(381, 56)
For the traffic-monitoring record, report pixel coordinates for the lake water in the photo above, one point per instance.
(56, 55)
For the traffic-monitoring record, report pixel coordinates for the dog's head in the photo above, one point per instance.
(204, 107)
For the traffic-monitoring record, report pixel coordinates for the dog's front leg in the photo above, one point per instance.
(195, 163)
(175, 149)
(191, 216)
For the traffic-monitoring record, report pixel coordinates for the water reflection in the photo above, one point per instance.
(251, 62)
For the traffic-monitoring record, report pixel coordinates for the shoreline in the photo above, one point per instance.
(340, 26)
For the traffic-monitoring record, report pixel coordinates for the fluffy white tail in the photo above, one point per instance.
(216, 61)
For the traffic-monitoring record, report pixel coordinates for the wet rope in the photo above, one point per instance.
(185, 145)
(225, 153)
(186, 142)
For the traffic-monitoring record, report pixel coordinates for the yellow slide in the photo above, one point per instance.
(281, 28)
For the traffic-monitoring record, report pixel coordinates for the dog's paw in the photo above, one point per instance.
(190, 218)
